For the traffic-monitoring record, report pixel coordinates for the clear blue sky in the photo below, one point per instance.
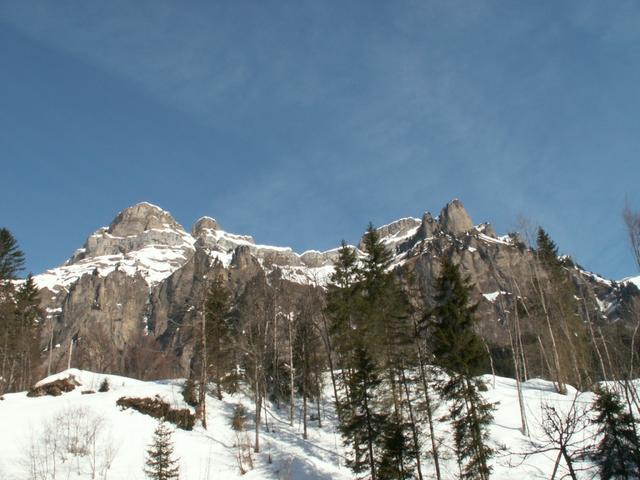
(300, 121)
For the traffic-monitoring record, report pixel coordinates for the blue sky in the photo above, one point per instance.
(300, 121)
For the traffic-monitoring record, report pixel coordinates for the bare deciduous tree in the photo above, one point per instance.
(75, 441)
(632, 220)
(565, 432)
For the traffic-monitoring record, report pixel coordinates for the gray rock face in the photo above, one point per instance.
(396, 233)
(140, 218)
(315, 259)
(399, 227)
(202, 225)
(488, 230)
(454, 218)
(428, 227)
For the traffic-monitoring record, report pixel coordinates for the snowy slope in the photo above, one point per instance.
(634, 280)
(210, 454)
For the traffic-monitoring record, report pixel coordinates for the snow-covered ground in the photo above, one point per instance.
(210, 454)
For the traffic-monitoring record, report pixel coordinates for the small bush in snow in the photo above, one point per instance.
(104, 386)
(157, 408)
(189, 393)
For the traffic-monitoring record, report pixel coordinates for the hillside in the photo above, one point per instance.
(211, 454)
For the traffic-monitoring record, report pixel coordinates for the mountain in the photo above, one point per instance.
(136, 285)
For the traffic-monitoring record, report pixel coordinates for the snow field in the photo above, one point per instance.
(211, 454)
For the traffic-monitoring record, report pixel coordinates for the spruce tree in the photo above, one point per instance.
(12, 370)
(563, 318)
(160, 464)
(27, 327)
(618, 452)
(397, 452)
(218, 331)
(11, 257)
(547, 249)
(460, 352)
(361, 426)
(342, 292)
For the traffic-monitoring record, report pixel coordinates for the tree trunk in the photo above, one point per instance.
(523, 416)
(291, 371)
(427, 400)
(258, 408)
(202, 394)
(414, 428)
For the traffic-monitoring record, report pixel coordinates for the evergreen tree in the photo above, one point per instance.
(547, 249)
(565, 326)
(218, 331)
(456, 347)
(361, 426)
(26, 331)
(460, 352)
(618, 453)
(396, 452)
(17, 311)
(342, 293)
(11, 257)
(160, 462)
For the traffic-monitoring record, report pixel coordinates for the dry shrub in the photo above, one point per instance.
(242, 445)
(53, 389)
(190, 393)
(104, 386)
(157, 408)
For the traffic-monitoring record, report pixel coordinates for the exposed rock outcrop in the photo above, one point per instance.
(454, 218)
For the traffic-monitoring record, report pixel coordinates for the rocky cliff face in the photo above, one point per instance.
(138, 282)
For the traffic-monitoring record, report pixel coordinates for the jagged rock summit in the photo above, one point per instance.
(135, 228)
(454, 218)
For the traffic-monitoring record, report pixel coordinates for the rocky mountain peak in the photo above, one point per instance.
(140, 218)
(428, 226)
(454, 218)
(203, 224)
(143, 239)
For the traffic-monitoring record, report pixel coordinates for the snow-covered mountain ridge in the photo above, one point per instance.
(146, 240)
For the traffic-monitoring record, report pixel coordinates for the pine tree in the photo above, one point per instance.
(618, 453)
(565, 325)
(342, 299)
(547, 249)
(396, 452)
(456, 347)
(218, 331)
(160, 462)
(27, 327)
(11, 262)
(461, 354)
(11, 257)
(360, 424)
